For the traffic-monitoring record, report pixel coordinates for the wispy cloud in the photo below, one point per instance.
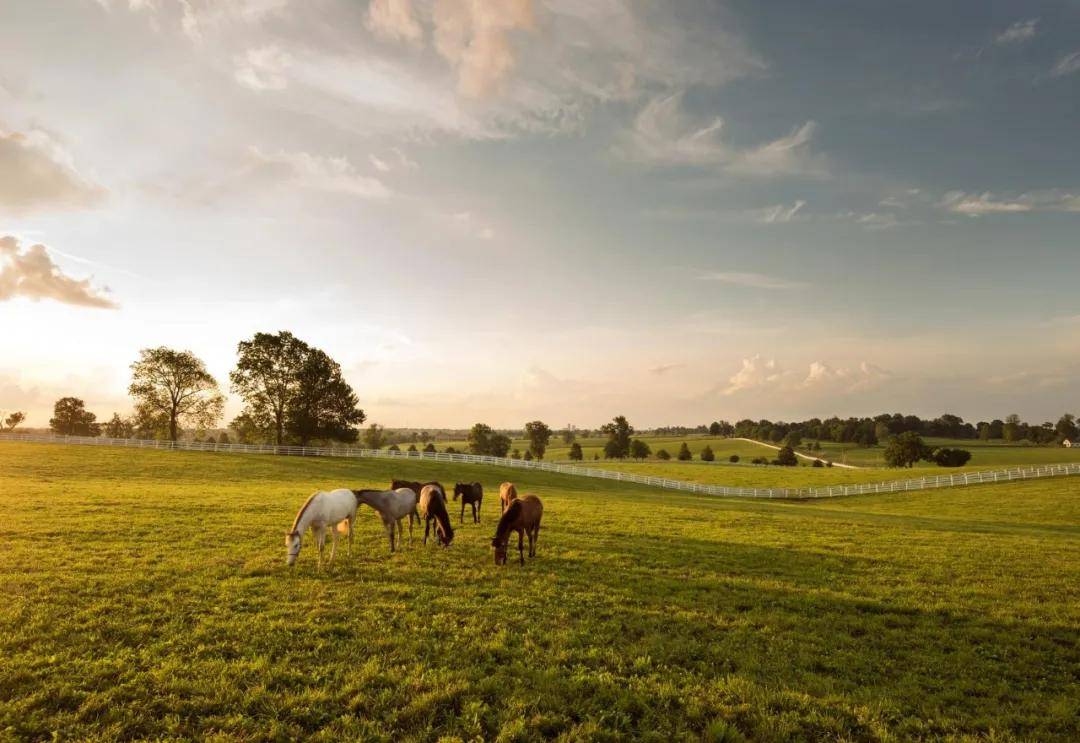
(1066, 65)
(780, 213)
(32, 273)
(263, 68)
(38, 173)
(315, 172)
(662, 369)
(1018, 33)
(751, 280)
(975, 205)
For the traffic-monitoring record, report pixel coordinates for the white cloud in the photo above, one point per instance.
(394, 19)
(263, 68)
(1018, 33)
(752, 280)
(473, 35)
(754, 374)
(31, 273)
(975, 205)
(780, 213)
(1067, 65)
(864, 377)
(664, 134)
(312, 171)
(37, 173)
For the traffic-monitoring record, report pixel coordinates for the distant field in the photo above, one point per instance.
(146, 597)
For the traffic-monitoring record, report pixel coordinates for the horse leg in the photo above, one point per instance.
(532, 540)
(427, 528)
(333, 543)
(389, 526)
(350, 535)
(463, 509)
(521, 545)
(320, 540)
(476, 512)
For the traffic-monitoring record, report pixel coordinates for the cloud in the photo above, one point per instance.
(37, 173)
(394, 19)
(976, 205)
(31, 273)
(1067, 65)
(263, 68)
(866, 376)
(1018, 33)
(752, 280)
(664, 134)
(305, 170)
(473, 35)
(754, 374)
(663, 369)
(780, 213)
(399, 161)
(470, 224)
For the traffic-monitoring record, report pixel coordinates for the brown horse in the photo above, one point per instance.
(416, 487)
(471, 493)
(523, 516)
(507, 493)
(433, 508)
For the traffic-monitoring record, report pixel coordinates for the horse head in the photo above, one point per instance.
(293, 541)
(500, 550)
(461, 488)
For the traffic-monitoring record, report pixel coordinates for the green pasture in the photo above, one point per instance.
(146, 597)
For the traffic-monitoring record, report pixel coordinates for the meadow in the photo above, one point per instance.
(147, 598)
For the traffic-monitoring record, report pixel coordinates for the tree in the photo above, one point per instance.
(223, 438)
(734, 459)
(1066, 428)
(375, 436)
(412, 449)
(639, 449)
(684, 453)
(905, 450)
(13, 420)
(429, 448)
(945, 457)
(575, 452)
(881, 430)
(71, 418)
(267, 377)
(480, 439)
(451, 450)
(792, 439)
(119, 428)
(818, 463)
(663, 455)
(1010, 431)
(172, 388)
(715, 429)
(984, 432)
(618, 432)
(569, 434)
(786, 457)
(538, 434)
(499, 444)
(528, 456)
(707, 454)
(246, 430)
(324, 406)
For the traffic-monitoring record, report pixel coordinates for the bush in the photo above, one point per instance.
(411, 449)
(818, 463)
(430, 448)
(451, 450)
(734, 459)
(828, 463)
(528, 455)
(393, 447)
(663, 454)
(945, 457)
(786, 457)
(707, 454)
(575, 452)
(684, 453)
(515, 454)
(639, 449)
(759, 460)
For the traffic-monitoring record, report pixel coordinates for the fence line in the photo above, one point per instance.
(829, 491)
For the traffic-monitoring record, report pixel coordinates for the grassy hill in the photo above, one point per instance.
(147, 597)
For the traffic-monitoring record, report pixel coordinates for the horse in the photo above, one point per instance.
(321, 511)
(393, 506)
(523, 516)
(433, 508)
(507, 493)
(471, 493)
(416, 487)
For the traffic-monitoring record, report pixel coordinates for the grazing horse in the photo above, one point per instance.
(416, 487)
(433, 508)
(320, 512)
(507, 493)
(471, 493)
(393, 506)
(523, 516)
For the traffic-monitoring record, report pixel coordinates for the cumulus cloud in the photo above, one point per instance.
(752, 280)
(664, 134)
(754, 374)
(976, 205)
(473, 35)
(765, 376)
(31, 273)
(1018, 33)
(864, 377)
(394, 19)
(305, 170)
(37, 173)
(1066, 65)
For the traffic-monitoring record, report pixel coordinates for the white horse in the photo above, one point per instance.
(320, 512)
(393, 506)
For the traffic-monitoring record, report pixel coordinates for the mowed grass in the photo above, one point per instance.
(147, 597)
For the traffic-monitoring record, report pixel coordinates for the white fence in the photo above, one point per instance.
(831, 491)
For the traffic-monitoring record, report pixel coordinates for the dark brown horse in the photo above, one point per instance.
(471, 493)
(507, 493)
(416, 487)
(433, 508)
(523, 516)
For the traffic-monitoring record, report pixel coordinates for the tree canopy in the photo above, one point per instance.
(71, 418)
(173, 388)
(267, 378)
(539, 434)
(905, 450)
(619, 433)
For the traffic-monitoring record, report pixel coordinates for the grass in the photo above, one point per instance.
(147, 597)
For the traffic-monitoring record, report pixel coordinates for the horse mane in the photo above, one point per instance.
(512, 514)
(300, 513)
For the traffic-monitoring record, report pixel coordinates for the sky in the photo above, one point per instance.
(503, 210)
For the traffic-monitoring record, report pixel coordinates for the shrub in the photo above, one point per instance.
(818, 463)
(945, 457)
(759, 460)
(515, 454)
(639, 449)
(734, 458)
(451, 450)
(393, 447)
(684, 453)
(411, 449)
(575, 452)
(828, 463)
(663, 454)
(430, 448)
(528, 455)
(786, 456)
(707, 454)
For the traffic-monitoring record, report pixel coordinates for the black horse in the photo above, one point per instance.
(471, 493)
(416, 487)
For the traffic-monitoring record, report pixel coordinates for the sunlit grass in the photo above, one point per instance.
(147, 597)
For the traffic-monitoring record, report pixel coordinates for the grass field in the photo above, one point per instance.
(147, 597)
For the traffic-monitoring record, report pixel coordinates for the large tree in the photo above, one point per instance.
(905, 450)
(480, 439)
(619, 432)
(539, 434)
(119, 428)
(13, 420)
(267, 377)
(71, 418)
(324, 406)
(375, 436)
(173, 388)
